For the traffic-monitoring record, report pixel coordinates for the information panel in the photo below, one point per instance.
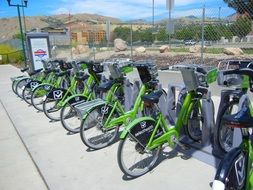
(38, 44)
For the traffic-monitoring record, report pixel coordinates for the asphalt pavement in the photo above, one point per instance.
(38, 154)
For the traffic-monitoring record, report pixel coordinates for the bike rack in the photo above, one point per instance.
(173, 105)
(225, 98)
(85, 107)
(130, 93)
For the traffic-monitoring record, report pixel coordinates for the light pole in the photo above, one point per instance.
(20, 24)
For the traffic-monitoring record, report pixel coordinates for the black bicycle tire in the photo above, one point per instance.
(83, 138)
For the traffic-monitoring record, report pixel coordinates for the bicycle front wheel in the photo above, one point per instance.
(231, 173)
(93, 133)
(134, 159)
(195, 122)
(20, 86)
(38, 94)
(27, 94)
(225, 133)
(52, 109)
(70, 119)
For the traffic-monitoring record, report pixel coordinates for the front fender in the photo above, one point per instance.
(132, 124)
(227, 163)
(47, 86)
(75, 98)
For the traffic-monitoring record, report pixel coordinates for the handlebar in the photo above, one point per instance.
(243, 71)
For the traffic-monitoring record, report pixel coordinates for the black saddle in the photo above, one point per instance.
(153, 97)
(241, 119)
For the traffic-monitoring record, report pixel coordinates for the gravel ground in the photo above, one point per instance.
(162, 59)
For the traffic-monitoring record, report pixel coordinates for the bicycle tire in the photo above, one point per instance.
(19, 87)
(195, 123)
(94, 122)
(146, 162)
(13, 85)
(224, 134)
(70, 119)
(231, 173)
(26, 95)
(37, 96)
(51, 109)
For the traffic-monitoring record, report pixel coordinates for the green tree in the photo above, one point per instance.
(122, 32)
(162, 35)
(241, 27)
(188, 32)
(211, 33)
(146, 35)
(241, 7)
(225, 31)
(18, 36)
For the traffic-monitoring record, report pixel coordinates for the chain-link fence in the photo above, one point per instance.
(200, 34)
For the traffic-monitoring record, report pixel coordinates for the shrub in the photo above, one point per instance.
(10, 54)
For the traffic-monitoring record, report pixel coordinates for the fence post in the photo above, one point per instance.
(202, 35)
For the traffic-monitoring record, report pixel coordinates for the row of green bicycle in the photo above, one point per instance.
(76, 94)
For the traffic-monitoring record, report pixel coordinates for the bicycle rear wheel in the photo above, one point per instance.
(134, 159)
(93, 133)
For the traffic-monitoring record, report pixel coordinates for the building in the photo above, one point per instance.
(84, 34)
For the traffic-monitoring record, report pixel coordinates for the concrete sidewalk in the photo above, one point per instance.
(49, 158)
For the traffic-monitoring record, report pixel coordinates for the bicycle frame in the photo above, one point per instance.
(124, 118)
(87, 93)
(170, 134)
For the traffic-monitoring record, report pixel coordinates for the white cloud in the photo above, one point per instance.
(125, 9)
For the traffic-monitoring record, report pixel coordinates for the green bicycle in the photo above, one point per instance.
(100, 124)
(58, 98)
(235, 170)
(143, 139)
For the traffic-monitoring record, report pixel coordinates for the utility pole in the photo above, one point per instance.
(20, 25)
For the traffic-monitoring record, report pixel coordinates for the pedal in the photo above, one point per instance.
(182, 145)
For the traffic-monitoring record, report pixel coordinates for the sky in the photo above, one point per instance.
(122, 9)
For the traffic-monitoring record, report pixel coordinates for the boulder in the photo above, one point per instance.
(196, 49)
(74, 50)
(140, 49)
(103, 49)
(233, 51)
(82, 49)
(164, 48)
(120, 45)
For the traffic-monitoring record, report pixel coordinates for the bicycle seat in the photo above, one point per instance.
(153, 97)
(106, 86)
(35, 72)
(81, 78)
(63, 73)
(241, 119)
(24, 69)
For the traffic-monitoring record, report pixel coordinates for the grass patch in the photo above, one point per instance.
(214, 50)
(247, 50)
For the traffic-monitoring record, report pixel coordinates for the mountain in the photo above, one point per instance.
(10, 26)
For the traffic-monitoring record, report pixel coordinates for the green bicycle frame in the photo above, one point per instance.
(131, 114)
(86, 92)
(170, 133)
